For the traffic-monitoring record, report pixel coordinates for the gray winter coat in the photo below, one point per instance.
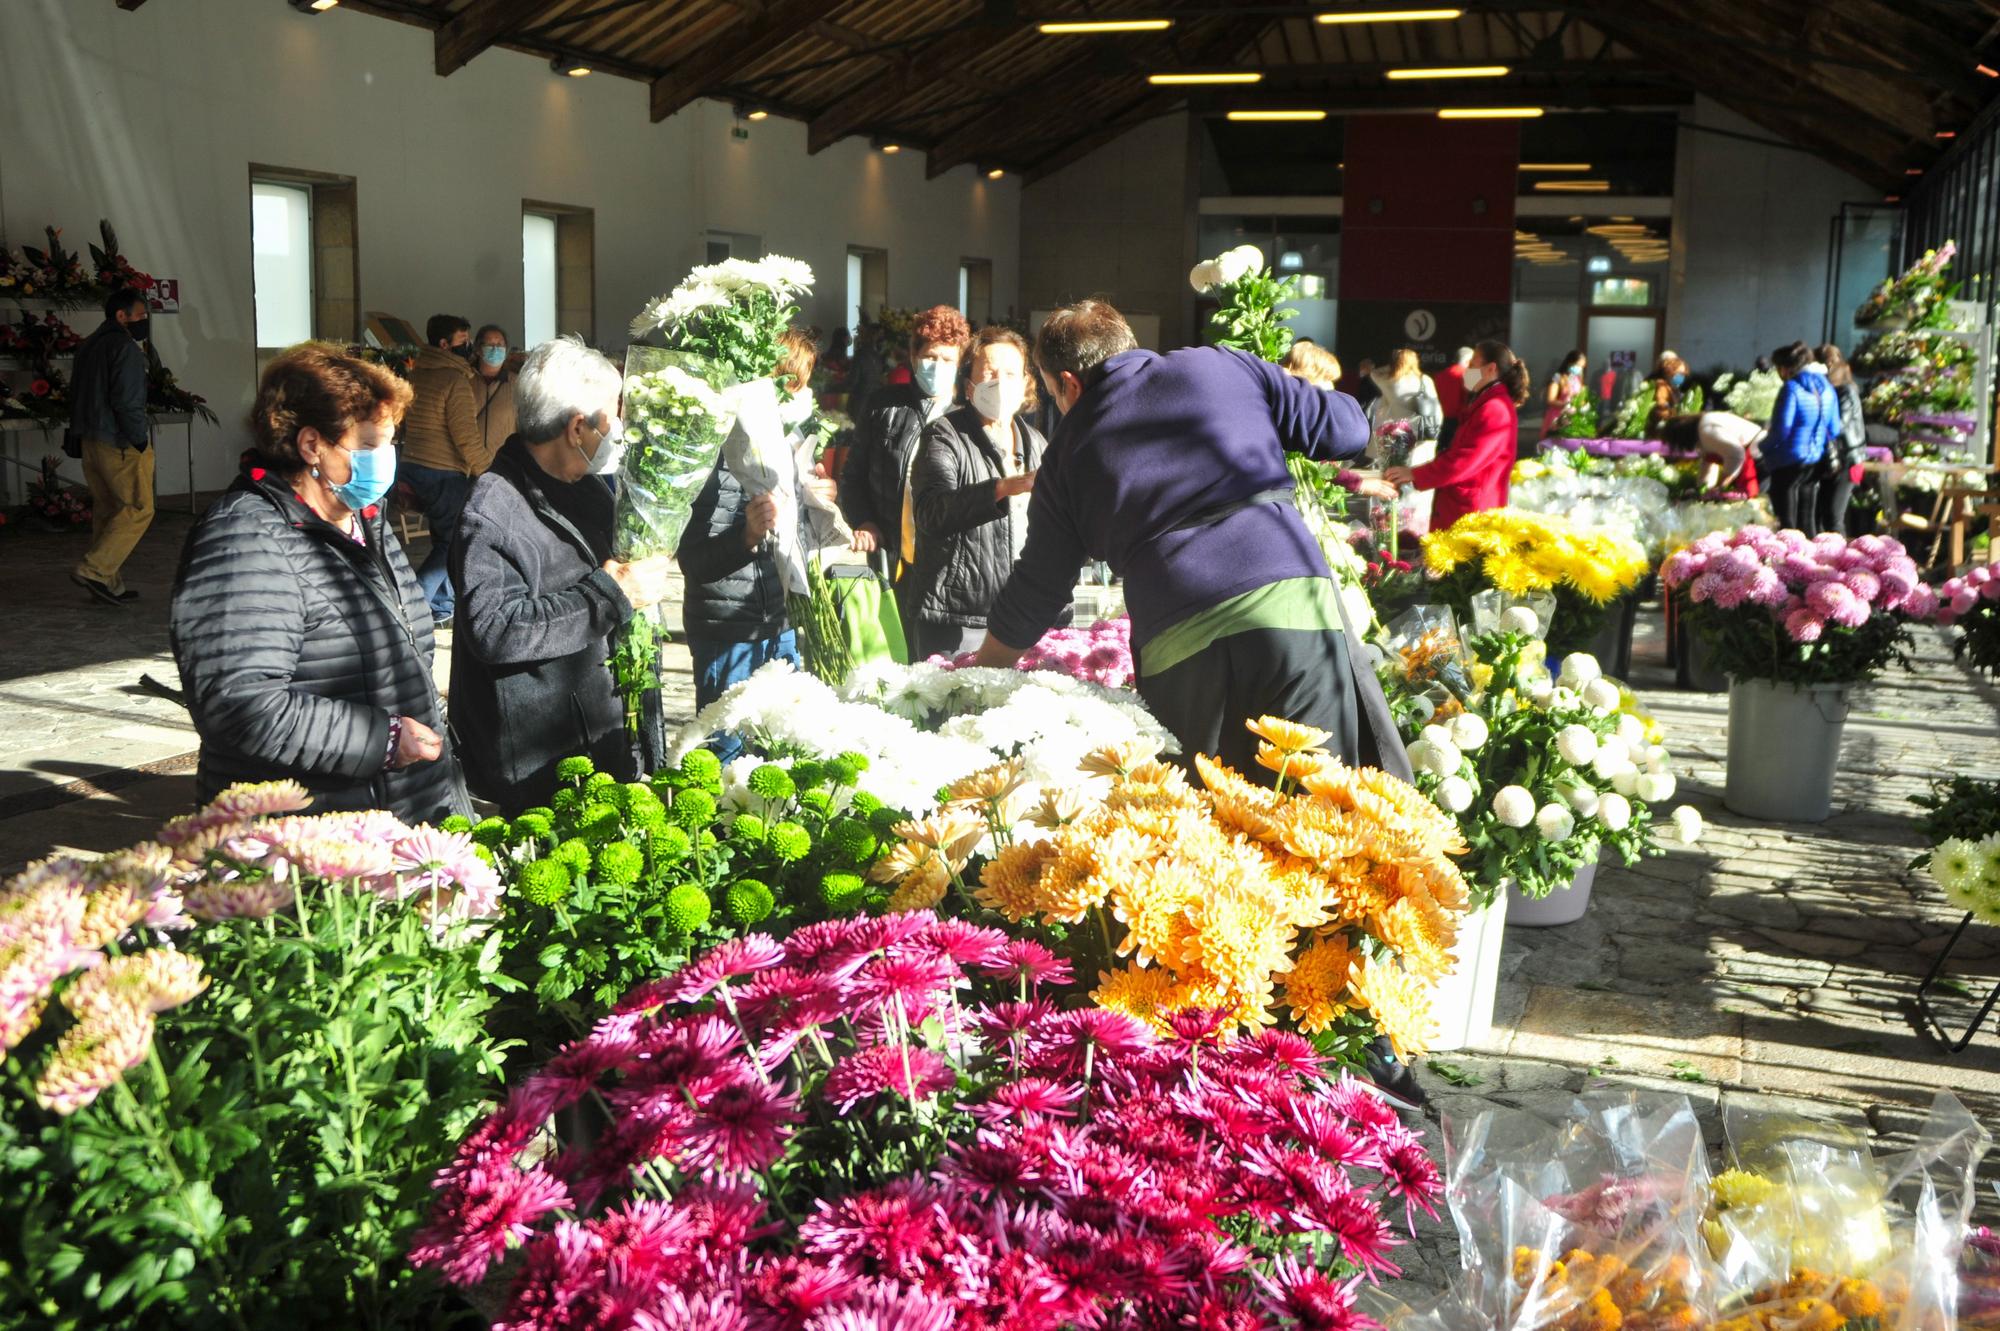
(297, 645)
(965, 537)
(108, 394)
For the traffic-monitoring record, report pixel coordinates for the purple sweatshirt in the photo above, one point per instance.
(1157, 441)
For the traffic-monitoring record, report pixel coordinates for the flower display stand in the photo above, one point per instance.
(1463, 1001)
(1933, 1022)
(1565, 905)
(1784, 744)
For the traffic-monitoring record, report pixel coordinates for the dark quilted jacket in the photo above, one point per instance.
(965, 537)
(734, 594)
(296, 646)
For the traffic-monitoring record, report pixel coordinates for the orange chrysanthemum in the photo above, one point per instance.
(1398, 1001)
(1316, 988)
(1287, 736)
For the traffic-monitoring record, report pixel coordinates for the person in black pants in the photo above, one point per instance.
(1806, 418)
(1848, 448)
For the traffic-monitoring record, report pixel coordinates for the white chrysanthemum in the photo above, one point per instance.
(1205, 275)
(1614, 811)
(1468, 731)
(1687, 825)
(1520, 619)
(1426, 756)
(1603, 695)
(1579, 668)
(1614, 751)
(1655, 758)
(1632, 730)
(1581, 798)
(1656, 787)
(1956, 862)
(1454, 794)
(1514, 806)
(1542, 691)
(1562, 698)
(1555, 822)
(1425, 708)
(1626, 781)
(1576, 744)
(1239, 263)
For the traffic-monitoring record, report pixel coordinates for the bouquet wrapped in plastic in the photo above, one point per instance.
(1808, 1232)
(1592, 1223)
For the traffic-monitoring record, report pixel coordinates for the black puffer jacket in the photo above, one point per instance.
(885, 439)
(296, 646)
(734, 594)
(965, 537)
(536, 609)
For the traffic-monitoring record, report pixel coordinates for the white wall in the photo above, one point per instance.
(1119, 223)
(1750, 242)
(152, 118)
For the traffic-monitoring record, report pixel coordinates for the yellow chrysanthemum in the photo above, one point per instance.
(1316, 988)
(1117, 759)
(1288, 736)
(1010, 881)
(1145, 992)
(921, 890)
(1399, 1002)
(903, 859)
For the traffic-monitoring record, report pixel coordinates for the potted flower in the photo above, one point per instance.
(1971, 604)
(1796, 623)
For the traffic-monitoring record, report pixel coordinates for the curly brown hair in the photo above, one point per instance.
(797, 356)
(938, 326)
(1000, 334)
(317, 385)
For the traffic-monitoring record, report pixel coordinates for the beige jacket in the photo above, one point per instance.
(441, 430)
(493, 399)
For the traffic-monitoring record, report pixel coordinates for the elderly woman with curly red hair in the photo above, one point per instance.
(301, 632)
(875, 484)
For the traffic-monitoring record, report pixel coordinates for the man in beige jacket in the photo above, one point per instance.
(443, 447)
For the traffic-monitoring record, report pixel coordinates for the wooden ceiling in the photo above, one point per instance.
(1866, 84)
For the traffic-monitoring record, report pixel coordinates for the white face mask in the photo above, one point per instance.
(610, 449)
(996, 399)
(1474, 378)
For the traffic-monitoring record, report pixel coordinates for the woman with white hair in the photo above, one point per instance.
(538, 593)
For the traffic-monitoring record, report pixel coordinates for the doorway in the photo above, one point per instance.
(1622, 344)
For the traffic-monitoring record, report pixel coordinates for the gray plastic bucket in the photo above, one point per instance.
(1784, 746)
(1565, 905)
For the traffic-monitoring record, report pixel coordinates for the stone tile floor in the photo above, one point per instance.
(1772, 965)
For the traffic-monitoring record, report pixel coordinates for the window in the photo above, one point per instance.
(1621, 291)
(558, 272)
(724, 245)
(975, 291)
(867, 284)
(538, 278)
(304, 264)
(281, 241)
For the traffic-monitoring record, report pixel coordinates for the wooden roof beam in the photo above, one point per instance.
(470, 31)
(875, 96)
(716, 60)
(129, 5)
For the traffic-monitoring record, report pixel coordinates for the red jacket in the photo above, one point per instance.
(1451, 391)
(1470, 476)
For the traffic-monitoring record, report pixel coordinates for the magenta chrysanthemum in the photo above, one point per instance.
(728, 961)
(912, 1073)
(493, 1209)
(738, 1124)
(1025, 960)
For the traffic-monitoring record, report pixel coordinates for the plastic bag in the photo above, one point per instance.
(1591, 1223)
(1810, 1233)
(758, 453)
(675, 422)
(1427, 651)
(1489, 605)
(1979, 1280)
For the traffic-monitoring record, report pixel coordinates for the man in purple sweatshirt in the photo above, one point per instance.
(1172, 470)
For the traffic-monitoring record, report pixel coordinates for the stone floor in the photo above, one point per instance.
(1773, 965)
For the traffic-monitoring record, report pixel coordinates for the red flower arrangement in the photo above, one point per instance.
(831, 1132)
(114, 270)
(55, 501)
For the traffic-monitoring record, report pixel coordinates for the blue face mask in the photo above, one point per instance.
(493, 355)
(374, 473)
(1678, 380)
(933, 376)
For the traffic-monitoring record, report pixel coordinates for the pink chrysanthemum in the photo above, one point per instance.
(963, 943)
(1026, 961)
(887, 1309)
(680, 1310)
(239, 899)
(1305, 1298)
(907, 1071)
(1029, 1096)
(793, 1288)
(1804, 626)
(909, 985)
(490, 1210)
(739, 1124)
(731, 960)
(1092, 1034)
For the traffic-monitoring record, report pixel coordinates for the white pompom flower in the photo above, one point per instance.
(1576, 744)
(1437, 759)
(1554, 822)
(1454, 794)
(1579, 668)
(1656, 787)
(1613, 750)
(1205, 275)
(1615, 811)
(1687, 825)
(1520, 619)
(1239, 263)
(1468, 731)
(1563, 698)
(1603, 695)
(1631, 729)
(1425, 708)
(1583, 799)
(1626, 782)
(1514, 806)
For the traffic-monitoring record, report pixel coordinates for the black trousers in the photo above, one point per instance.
(1835, 489)
(1794, 495)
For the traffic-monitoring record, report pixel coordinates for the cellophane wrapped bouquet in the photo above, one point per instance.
(1807, 1231)
(886, 1122)
(1639, 506)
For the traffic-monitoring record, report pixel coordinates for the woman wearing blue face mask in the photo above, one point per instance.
(302, 635)
(493, 390)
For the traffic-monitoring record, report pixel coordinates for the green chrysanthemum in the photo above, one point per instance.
(807, 773)
(702, 767)
(600, 823)
(576, 855)
(670, 845)
(544, 882)
(693, 809)
(772, 782)
(852, 840)
(578, 768)
(747, 902)
(486, 856)
(864, 803)
(490, 832)
(747, 830)
(457, 822)
(841, 892)
(816, 802)
(620, 864)
(687, 909)
(884, 821)
(650, 816)
(790, 843)
(533, 826)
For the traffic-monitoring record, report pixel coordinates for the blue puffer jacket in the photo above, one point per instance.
(1805, 421)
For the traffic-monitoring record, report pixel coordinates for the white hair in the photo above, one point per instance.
(1465, 355)
(560, 379)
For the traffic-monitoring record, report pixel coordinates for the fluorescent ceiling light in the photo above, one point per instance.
(1490, 113)
(1245, 76)
(1082, 28)
(759, 114)
(1555, 166)
(1574, 186)
(996, 173)
(1277, 115)
(1452, 72)
(1391, 15)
